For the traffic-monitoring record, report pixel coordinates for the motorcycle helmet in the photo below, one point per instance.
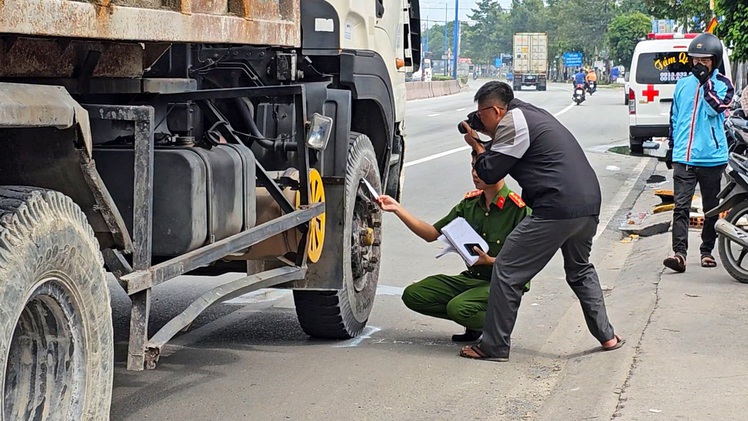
(707, 45)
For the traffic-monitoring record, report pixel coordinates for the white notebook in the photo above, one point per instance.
(459, 237)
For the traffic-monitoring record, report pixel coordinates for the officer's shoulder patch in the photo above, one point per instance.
(473, 193)
(517, 199)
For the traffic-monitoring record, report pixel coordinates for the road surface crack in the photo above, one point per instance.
(637, 350)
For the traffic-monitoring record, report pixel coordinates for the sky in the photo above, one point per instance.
(434, 9)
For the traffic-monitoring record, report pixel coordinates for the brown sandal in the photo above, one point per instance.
(475, 353)
(619, 343)
(676, 263)
(707, 261)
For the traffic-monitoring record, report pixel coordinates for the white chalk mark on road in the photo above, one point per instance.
(389, 290)
(366, 334)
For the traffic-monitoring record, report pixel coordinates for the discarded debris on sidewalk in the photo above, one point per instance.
(658, 217)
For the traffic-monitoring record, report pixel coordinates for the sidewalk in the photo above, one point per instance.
(690, 363)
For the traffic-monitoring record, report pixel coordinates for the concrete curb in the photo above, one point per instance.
(421, 90)
(641, 221)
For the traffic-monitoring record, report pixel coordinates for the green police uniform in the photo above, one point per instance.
(463, 298)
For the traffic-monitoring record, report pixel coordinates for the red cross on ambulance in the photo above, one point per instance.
(650, 93)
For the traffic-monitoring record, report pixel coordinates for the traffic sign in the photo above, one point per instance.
(662, 25)
(572, 59)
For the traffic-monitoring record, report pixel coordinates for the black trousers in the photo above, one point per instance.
(685, 178)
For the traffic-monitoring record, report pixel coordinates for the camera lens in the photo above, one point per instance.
(461, 128)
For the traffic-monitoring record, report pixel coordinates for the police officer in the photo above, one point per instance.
(493, 210)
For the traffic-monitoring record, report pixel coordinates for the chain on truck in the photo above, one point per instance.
(156, 138)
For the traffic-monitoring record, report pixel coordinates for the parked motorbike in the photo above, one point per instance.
(592, 87)
(578, 96)
(736, 129)
(732, 242)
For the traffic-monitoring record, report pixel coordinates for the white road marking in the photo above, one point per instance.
(461, 109)
(464, 148)
(564, 110)
(610, 211)
(366, 334)
(436, 156)
(433, 115)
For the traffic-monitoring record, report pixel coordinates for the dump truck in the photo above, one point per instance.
(154, 138)
(530, 61)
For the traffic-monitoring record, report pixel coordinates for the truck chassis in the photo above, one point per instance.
(79, 79)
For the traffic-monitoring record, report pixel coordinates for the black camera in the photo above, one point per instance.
(473, 121)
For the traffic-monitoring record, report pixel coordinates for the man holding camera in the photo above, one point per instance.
(493, 210)
(558, 182)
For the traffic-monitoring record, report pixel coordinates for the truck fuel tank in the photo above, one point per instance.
(199, 195)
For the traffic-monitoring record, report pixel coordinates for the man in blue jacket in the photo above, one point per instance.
(580, 78)
(698, 146)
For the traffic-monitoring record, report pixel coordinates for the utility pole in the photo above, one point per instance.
(455, 46)
(427, 35)
(446, 60)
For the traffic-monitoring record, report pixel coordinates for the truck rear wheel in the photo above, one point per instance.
(343, 314)
(56, 342)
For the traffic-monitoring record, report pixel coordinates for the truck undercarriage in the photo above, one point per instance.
(182, 153)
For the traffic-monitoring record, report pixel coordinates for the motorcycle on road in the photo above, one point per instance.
(578, 96)
(592, 87)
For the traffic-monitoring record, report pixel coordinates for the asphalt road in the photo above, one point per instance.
(248, 358)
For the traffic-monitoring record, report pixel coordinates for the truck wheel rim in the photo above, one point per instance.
(365, 239)
(316, 236)
(45, 366)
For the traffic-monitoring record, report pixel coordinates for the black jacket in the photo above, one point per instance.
(546, 160)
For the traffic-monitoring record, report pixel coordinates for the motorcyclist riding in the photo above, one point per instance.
(591, 81)
(579, 79)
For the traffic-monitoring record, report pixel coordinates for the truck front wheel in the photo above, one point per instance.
(343, 313)
(56, 342)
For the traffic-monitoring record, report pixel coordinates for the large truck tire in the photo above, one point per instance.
(343, 314)
(56, 342)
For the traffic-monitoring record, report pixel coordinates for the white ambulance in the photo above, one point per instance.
(657, 64)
